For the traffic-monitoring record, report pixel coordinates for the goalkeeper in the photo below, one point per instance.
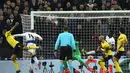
(76, 56)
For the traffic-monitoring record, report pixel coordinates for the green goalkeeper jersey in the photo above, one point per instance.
(77, 49)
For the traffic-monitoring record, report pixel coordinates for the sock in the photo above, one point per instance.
(91, 52)
(65, 65)
(16, 65)
(102, 65)
(71, 67)
(117, 67)
(61, 67)
(35, 59)
(33, 47)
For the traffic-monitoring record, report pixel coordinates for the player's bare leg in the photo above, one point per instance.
(88, 53)
(34, 58)
(13, 58)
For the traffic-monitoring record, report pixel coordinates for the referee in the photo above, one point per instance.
(66, 44)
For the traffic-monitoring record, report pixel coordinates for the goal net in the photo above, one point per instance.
(86, 26)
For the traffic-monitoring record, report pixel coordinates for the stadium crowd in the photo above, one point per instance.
(10, 10)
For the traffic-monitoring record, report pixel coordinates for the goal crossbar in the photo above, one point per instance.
(76, 12)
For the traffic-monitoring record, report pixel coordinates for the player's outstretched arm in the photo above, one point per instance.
(16, 24)
(19, 35)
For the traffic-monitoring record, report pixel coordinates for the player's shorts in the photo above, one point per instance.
(32, 51)
(65, 51)
(119, 54)
(18, 49)
(106, 58)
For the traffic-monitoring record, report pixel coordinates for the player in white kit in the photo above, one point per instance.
(31, 38)
(110, 39)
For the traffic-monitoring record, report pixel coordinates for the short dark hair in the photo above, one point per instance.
(122, 29)
(66, 28)
(32, 30)
(111, 32)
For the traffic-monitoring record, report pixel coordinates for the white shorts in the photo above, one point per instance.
(32, 51)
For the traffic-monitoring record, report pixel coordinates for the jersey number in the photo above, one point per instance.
(30, 36)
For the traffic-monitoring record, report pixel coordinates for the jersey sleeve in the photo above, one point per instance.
(57, 42)
(7, 33)
(17, 35)
(107, 38)
(38, 36)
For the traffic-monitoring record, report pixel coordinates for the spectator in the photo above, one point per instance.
(115, 6)
(27, 8)
(18, 2)
(81, 7)
(5, 12)
(26, 4)
(53, 4)
(59, 5)
(11, 18)
(17, 8)
(7, 24)
(4, 5)
(68, 6)
(33, 4)
(103, 7)
(95, 7)
(45, 7)
(25, 12)
(12, 5)
(1, 12)
(90, 4)
(41, 8)
(108, 5)
(99, 3)
(9, 11)
(39, 2)
(61, 9)
(74, 8)
(86, 8)
(103, 1)
(17, 18)
(8, 3)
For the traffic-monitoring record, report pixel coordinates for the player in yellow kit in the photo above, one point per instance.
(14, 44)
(121, 42)
(106, 49)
